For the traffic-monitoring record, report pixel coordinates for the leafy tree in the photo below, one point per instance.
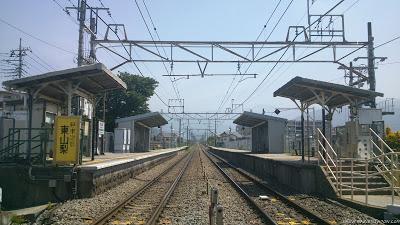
(131, 102)
(393, 139)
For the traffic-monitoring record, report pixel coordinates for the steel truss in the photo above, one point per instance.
(202, 116)
(229, 51)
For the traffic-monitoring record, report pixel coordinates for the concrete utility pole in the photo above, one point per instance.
(371, 63)
(92, 30)
(20, 59)
(81, 18)
(16, 61)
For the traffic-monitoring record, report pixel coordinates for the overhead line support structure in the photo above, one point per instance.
(232, 48)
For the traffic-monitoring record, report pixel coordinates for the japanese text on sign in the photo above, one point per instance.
(66, 139)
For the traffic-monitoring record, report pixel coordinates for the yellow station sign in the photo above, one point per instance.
(66, 140)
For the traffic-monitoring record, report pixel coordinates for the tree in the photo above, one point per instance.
(393, 139)
(131, 102)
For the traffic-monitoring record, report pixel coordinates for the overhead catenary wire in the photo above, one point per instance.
(135, 64)
(154, 26)
(258, 37)
(151, 36)
(258, 86)
(137, 67)
(101, 19)
(270, 33)
(270, 71)
(66, 11)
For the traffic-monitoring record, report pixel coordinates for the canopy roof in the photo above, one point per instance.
(250, 119)
(333, 95)
(90, 80)
(151, 119)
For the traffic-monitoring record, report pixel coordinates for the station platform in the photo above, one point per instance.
(380, 201)
(26, 186)
(284, 157)
(304, 177)
(111, 159)
(307, 177)
(111, 169)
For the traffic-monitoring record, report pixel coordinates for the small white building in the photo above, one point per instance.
(267, 132)
(138, 128)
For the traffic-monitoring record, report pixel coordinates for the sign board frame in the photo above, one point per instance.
(101, 128)
(67, 135)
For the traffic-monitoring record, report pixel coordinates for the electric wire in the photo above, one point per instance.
(387, 42)
(66, 11)
(258, 86)
(258, 37)
(270, 71)
(39, 63)
(101, 19)
(44, 62)
(151, 36)
(36, 38)
(270, 33)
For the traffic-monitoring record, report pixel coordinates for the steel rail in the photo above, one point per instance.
(113, 211)
(157, 212)
(268, 219)
(280, 196)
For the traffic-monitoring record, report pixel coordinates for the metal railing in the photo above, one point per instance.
(17, 140)
(384, 161)
(384, 164)
(368, 173)
(326, 152)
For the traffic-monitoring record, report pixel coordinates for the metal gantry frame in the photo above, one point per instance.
(331, 48)
(176, 104)
(222, 51)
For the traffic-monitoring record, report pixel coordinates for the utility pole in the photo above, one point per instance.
(215, 133)
(351, 76)
(20, 59)
(371, 63)
(81, 19)
(187, 133)
(16, 61)
(179, 135)
(170, 140)
(92, 30)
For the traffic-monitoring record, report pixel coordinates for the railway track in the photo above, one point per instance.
(274, 207)
(146, 204)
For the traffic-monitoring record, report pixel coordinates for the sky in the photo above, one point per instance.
(52, 35)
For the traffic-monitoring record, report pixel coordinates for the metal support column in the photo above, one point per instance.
(215, 133)
(179, 130)
(308, 136)
(94, 128)
(323, 130)
(30, 112)
(103, 138)
(302, 135)
(351, 76)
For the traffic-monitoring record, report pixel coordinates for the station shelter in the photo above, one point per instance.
(133, 133)
(267, 132)
(305, 92)
(27, 132)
